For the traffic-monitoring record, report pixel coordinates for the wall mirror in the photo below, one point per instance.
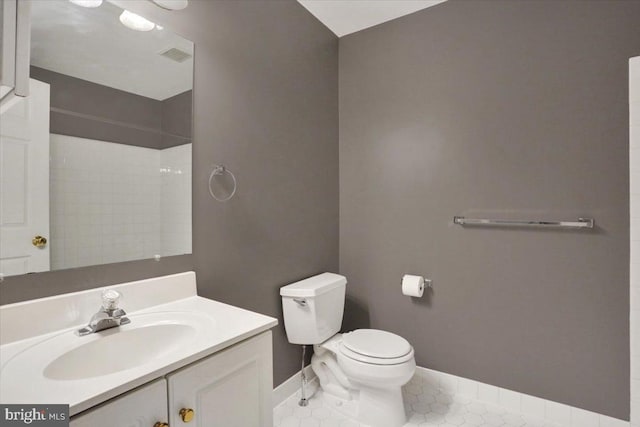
(96, 161)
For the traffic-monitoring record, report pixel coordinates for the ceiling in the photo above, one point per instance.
(91, 44)
(348, 16)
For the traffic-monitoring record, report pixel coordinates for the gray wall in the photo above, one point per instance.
(177, 119)
(38, 285)
(265, 105)
(506, 109)
(90, 110)
(512, 109)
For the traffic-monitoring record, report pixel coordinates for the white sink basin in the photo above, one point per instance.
(105, 356)
(43, 361)
(148, 338)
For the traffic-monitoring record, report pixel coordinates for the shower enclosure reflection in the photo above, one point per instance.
(116, 131)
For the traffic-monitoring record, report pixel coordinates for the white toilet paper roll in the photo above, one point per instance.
(412, 286)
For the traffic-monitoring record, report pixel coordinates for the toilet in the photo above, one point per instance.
(360, 372)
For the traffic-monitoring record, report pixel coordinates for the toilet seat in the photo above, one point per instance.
(375, 347)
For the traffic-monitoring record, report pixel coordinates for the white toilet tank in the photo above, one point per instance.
(313, 308)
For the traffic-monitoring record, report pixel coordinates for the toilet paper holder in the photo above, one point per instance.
(428, 283)
(414, 286)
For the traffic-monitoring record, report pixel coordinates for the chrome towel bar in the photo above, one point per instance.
(580, 223)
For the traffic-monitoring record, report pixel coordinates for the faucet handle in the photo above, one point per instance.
(110, 299)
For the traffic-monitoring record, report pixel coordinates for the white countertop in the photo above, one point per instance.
(22, 363)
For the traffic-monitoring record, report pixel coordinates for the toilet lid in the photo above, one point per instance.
(376, 343)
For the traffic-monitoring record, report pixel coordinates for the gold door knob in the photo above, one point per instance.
(159, 424)
(39, 241)
(186, 414)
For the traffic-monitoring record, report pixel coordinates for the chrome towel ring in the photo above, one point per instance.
(219, 170)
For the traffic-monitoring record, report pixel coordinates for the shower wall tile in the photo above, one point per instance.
(175, 181)
(105, 202)
(109, 201)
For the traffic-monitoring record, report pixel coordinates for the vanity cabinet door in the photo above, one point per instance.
(229, 389)
(143, 407)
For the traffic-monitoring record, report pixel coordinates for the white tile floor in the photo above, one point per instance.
(426, 405)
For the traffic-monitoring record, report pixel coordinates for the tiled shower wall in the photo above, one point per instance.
(108, 201)
(175, 203)
(634, 202)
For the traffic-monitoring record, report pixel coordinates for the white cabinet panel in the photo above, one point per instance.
(143, 407)
(229, 389)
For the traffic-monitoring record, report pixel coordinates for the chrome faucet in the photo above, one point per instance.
(109, 315)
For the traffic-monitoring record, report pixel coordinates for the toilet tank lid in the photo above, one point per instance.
(313, 286)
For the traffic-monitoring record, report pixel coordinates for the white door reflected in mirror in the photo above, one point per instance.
(24, 183)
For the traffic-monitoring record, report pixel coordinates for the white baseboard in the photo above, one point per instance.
(516, 402)
(292, 385)
(511, 401)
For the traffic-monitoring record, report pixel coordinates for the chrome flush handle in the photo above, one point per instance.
(301, 302)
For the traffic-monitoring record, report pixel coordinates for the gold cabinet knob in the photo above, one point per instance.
(186, 414)
(159, 424)
(39, 241)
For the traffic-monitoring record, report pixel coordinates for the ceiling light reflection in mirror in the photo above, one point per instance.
(136, 22)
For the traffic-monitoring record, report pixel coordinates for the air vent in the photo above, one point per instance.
(176, 54)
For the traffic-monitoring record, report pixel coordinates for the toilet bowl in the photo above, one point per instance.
(360, 372)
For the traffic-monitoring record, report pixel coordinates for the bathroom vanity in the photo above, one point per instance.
(229, 388)
(181, 359)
